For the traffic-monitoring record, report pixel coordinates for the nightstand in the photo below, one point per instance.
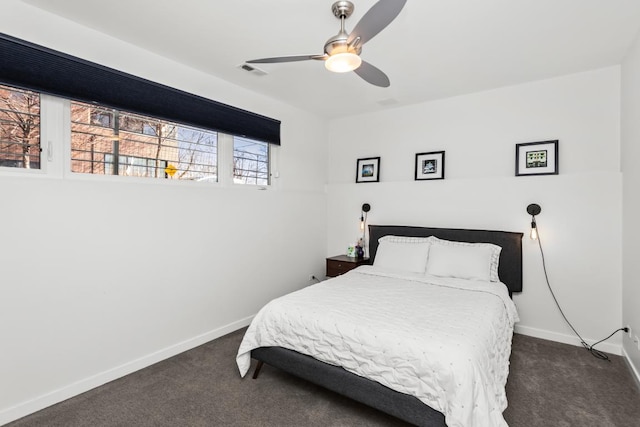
(337, 265)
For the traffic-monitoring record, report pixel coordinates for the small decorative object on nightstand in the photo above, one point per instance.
(340, 264)
(360, 249)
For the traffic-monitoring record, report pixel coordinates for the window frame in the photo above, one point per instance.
(55, 159)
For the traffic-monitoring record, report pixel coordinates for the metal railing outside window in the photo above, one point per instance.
(112, 142)
(250, 161)
(106, 141)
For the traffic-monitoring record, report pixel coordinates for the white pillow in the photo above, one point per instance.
(402, 256)
(463, 262)
(482, 248)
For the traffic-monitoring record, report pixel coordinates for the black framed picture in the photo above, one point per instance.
(537, 158)
(368, 170)
(429, 165)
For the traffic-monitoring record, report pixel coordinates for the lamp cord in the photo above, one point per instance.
(364, 234)
(594, 352)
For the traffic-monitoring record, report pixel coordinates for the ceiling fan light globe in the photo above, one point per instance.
(343, 62)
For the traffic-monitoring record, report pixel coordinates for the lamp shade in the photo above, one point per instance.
(343, 62)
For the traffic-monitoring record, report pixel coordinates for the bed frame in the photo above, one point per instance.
(371, 393)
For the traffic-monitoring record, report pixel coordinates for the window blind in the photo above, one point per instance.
(30, 66)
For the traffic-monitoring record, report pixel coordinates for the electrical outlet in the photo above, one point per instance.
(637, 341)
(629, 334)
(312, 277)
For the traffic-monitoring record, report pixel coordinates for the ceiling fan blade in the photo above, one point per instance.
(292, 58)
(375, 20)
(372, 75)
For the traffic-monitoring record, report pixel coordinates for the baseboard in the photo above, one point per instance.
(568, 339)
(23, 409)
(632, 368)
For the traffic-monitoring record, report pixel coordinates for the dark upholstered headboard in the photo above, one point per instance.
(509, 268)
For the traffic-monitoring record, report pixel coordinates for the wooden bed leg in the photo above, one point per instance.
(258, 367)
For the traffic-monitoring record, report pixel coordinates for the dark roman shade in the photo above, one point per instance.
(40, 69)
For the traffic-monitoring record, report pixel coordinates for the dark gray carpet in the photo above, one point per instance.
(550, 385)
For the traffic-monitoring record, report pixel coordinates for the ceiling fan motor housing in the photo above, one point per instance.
(338, 43)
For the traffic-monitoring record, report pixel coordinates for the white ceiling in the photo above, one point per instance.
(434, 48)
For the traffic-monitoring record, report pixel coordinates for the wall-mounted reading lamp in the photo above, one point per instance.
(363, 225)
(533, 210)
(363, 216)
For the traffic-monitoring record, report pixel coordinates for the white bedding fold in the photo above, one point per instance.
(445, 341)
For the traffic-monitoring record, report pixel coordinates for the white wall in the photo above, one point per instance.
(100, 278)
(630, 136)
(580, 223)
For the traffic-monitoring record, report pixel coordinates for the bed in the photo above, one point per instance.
(429, 349)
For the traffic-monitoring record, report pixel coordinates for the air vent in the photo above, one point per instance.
(253, 70)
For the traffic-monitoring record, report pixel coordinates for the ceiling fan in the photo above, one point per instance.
(342, 51)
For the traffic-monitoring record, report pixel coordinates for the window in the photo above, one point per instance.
(122, 136)
(112, 142)
(107, 141)
(250, 161)
(19, 128)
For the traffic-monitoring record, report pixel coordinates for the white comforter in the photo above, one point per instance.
(445, 341)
